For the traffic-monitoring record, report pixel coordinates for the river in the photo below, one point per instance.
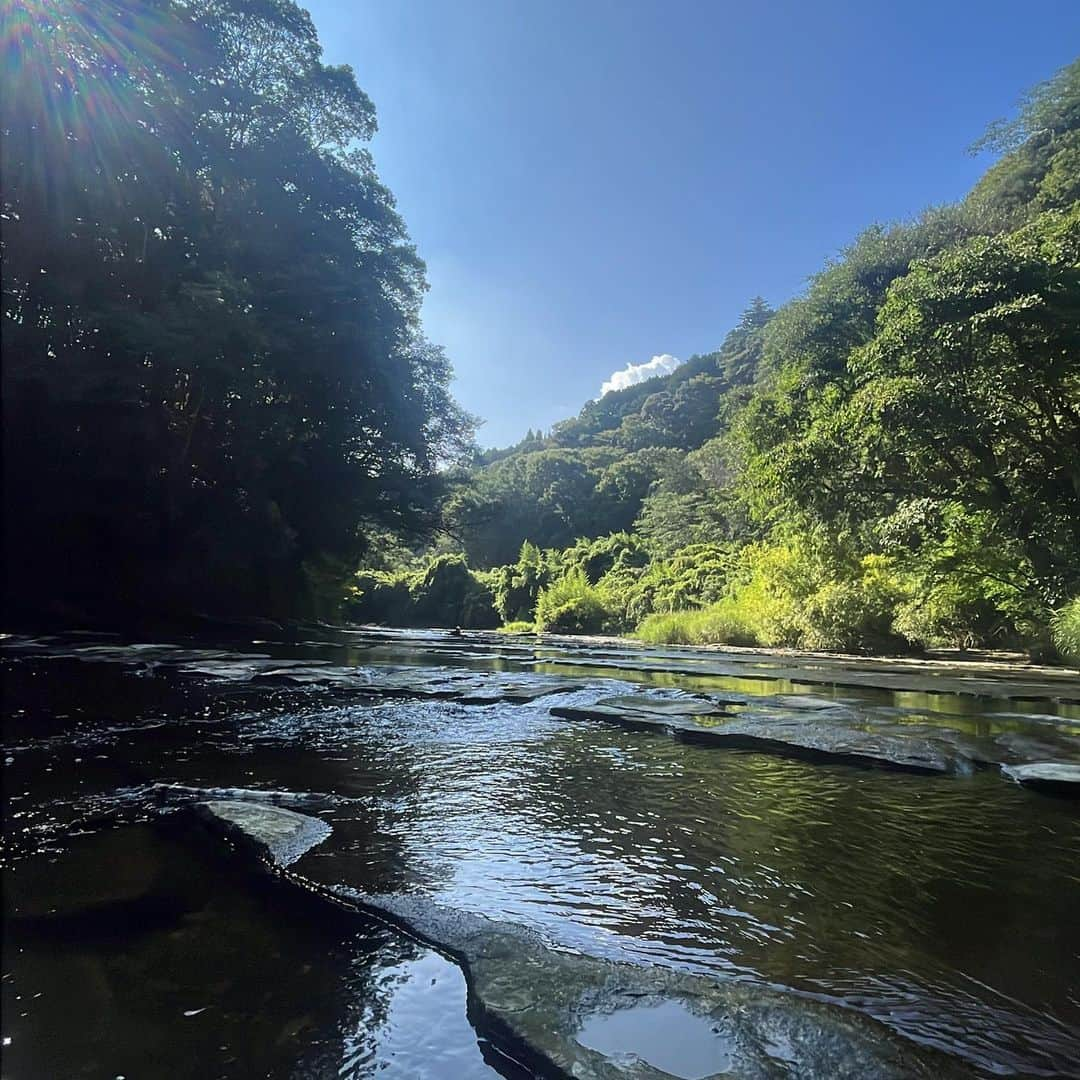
(138, 945)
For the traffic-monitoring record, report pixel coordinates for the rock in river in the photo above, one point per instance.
(279, 835)
(1054, 777)
(822, 734)
(565, 1015)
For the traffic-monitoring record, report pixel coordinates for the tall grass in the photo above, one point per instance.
(717, 624)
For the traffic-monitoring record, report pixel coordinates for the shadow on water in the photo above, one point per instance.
(139, 952)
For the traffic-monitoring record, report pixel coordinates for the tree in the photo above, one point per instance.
(970, 389)
(1041, 151)
(213, 366)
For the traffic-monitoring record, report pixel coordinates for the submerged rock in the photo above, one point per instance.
(96, 874)
(1054, 777)
(467, 687)
(563, 1014)
(820, 734)
(182, 793)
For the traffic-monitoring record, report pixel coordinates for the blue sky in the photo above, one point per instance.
(595, 183)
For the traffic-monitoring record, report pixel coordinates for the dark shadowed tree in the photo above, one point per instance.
(213, 365)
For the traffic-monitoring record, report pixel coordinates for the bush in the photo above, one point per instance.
(517, 585)
(769, 588)
(792, 593)
(445, 593)
(572, 606)
(855, 615)
(1065, 630)
(693, 577)
(716, 624)
(967, 584)
(381, 597)
(450, 594)
(518, 627)
(614, 552)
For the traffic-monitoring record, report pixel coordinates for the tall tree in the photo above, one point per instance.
(213, 365)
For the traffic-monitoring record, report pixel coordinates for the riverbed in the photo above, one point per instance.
(845, 833)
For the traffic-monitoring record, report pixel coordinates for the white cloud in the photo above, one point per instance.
(633, 374)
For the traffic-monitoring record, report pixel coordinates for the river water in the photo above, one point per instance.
(137, 945)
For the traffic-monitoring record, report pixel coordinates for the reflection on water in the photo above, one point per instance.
(946, 907)
(733, 684)
(668, 1036)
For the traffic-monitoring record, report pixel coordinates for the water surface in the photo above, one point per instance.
(944, 906)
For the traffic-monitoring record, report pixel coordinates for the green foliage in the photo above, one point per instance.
(606, 555)
(213, 363)
(713, 625)
(855, 615)
(379, 596)
(793, 593)
(571, 605)
(516, 587)
(694, 576)
(1065, 627)
(449, 594)
(1038, 169)
(967, 583)
(445, 592)
(547, 497)
(980, 344)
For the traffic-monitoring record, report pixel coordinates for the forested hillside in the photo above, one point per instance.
(215, 382)
(891, 460)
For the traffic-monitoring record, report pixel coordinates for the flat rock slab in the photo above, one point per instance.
(445, 683)
(677, 706)
(438, 681)
(812, 736)
(310, 801)
(280, 835)
(544, 1007)
(851, 673)
(468, 687)
(804, 701)
(1053, 777)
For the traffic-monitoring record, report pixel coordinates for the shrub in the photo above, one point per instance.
(616, 551)
(967, 584)
(571, 605)
(769, 587)
(518, 627)
(792, 593)
(716, 624)
(380, 596)
(449, 594)
(516, 587)
(445, 593)
(667, 628)
(1065, 630)
(693, 577)
(857, 614)
(724, 623)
